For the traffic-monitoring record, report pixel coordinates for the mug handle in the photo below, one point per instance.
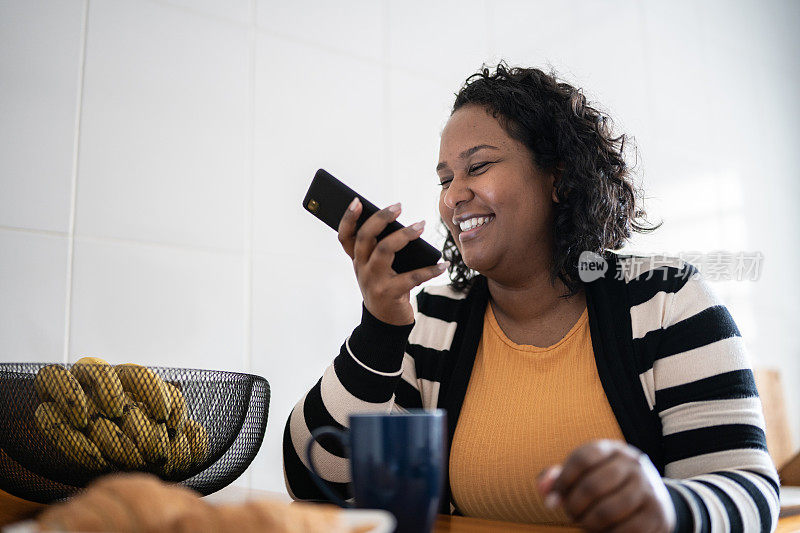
(343, 438)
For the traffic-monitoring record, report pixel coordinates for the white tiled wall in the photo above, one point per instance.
(314, 108)
(303, 307)
(157, 304)
(354, 28)
(154, 154)
(40, 61)
(443, 40)
(33, 279)
(163, 126)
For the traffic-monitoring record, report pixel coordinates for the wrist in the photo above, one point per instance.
(378, 344)
(391, 319)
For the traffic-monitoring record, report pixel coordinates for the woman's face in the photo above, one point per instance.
(494, 201)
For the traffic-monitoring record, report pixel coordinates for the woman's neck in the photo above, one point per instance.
(531, 298)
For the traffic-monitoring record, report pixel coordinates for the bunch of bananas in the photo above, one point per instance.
(126, 417)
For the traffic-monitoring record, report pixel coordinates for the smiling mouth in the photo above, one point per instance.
(472, 227)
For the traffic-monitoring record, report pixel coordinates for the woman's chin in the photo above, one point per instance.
(476, 258)
(475, 262)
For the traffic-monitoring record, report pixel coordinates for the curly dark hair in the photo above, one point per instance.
(598, 202)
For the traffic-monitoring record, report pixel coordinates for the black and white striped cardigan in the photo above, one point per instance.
(669, 355)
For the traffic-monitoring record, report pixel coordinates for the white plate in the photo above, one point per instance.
(27, 526)
(383, 520)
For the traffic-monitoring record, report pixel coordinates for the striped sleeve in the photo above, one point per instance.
(366, 376)
(699, 381)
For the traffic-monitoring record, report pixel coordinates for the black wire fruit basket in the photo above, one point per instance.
(61, 426)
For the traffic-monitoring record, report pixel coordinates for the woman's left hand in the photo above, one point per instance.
(609, 485)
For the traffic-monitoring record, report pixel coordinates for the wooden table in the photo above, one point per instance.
(462, 524)
(13, 509)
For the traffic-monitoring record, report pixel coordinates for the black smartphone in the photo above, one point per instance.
(328, 198)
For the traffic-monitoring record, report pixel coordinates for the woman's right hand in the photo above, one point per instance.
(387, 295)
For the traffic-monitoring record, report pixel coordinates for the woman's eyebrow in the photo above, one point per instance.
(466, 153)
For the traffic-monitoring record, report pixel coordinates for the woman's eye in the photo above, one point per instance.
(478, 166)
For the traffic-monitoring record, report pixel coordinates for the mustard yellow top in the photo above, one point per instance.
(526, 408)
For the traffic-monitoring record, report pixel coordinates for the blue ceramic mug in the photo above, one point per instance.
(397, 463)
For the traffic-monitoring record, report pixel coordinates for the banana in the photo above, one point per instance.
(147, 388)
(177, 414)
(53, 382)
(91, 408)
(41, 392)
(159, 440)
(168, 468)
(70, 441)
(197, 436)
(114, 444)
(131, 401)
(149, 436)
(180, 454)
(77, 447)
(48, 415)
(97, 376)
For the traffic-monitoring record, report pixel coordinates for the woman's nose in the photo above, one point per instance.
(457, 193)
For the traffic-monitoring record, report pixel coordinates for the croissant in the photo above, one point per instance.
(141, 503)
(257, 517)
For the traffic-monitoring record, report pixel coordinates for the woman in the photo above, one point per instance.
(620, 403)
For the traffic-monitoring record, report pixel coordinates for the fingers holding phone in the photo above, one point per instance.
(384, 253)
(344, 210)
(347, 227)
(368, 234)
(389, 259)
(386, 294)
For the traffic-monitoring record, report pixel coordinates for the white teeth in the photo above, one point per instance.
(467, 225)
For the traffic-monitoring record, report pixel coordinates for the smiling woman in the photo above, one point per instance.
(557, 141)
(625, 402)
(492, 190)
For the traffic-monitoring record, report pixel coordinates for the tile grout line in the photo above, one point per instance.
(174, 246)
(151, 244)
(34, 231)
(249, 218)
(74, 184)
(386, 81)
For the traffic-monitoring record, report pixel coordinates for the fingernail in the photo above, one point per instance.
(418, 226)
(552, 473)
(395, 208)
(353, 204)
(548, 475)
(443, 266)
(552, 500)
